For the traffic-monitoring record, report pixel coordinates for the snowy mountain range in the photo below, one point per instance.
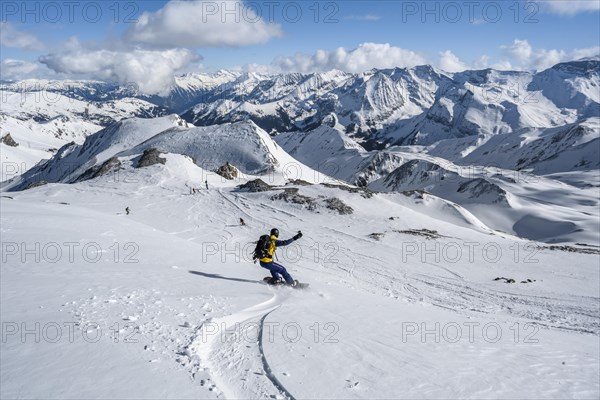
(472, 138)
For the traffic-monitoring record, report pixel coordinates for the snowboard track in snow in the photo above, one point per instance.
(267, 368)
(228, 358)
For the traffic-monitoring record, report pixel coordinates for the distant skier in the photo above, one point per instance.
(242, 222)
(265, 250)
(127, 210)
(206, 183)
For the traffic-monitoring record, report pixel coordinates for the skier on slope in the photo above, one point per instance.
(266, 258)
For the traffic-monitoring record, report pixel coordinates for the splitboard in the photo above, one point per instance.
(269, 281)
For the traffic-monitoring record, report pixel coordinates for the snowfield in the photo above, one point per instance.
(165, 302)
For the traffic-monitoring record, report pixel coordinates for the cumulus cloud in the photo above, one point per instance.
(590, 52)
(449, 62)
(547, 58)
(18, 69)
(519, 49)
(569, 7)
(529, 58)
(519, 55)
(365, 57)
(10, 36)
(484, 62)
(155, 49)
(202, 24)
(153, 71)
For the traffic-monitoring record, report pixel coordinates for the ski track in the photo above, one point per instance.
(266, 367)
(227, 362)
(229, 354)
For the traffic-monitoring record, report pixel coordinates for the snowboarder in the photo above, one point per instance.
(266, 258)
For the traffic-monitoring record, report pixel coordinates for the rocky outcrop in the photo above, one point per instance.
(338, 205)
(257, 185)
(150, 157)
(8, 140)
(111, 165)
(228, 171)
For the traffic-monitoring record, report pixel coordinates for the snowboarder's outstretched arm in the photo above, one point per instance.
(289, 241)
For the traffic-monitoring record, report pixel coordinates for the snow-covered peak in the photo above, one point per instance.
(73, 160)
(242, 144)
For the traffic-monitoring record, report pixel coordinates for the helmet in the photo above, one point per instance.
(275, 232)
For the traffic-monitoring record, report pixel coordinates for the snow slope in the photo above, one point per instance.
(244, 144)
(250, 149)
(402, 300)
(42, 116)
(37, 141)
(72, 160)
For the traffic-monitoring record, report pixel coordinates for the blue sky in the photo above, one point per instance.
(65, 39)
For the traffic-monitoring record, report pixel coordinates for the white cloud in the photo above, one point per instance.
(482, 62)
(202, 24)
(449, 62)
(18, 69)
(569, 7)
(544, 59)
(10, 36)
(519, 55)
(586, 53)
(363, 58)
(529, 58)
(152, 71)
(519, 49)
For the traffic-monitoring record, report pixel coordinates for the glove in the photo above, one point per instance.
(298, 236)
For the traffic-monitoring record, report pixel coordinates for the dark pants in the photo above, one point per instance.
(277, 271)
